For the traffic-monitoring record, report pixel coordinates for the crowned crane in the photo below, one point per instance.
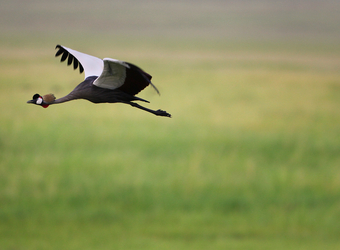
(106, 81)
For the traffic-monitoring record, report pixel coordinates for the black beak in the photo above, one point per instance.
(31, 101)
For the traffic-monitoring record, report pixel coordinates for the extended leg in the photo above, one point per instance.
(155, 112)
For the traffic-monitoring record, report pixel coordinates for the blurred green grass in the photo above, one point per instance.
(250, 159)
(251, 155)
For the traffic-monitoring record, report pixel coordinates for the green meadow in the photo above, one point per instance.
(249, 160)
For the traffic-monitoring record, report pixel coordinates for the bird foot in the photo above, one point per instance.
(162, 113)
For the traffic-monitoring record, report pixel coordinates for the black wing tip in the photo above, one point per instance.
(154, 87)
(144, 80)
(71, 59)
(60, 51)
(81, 69)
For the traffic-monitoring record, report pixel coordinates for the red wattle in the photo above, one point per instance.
(45, 106)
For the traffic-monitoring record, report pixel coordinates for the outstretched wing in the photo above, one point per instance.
(124, 76)
(113, 75)
(93, 66)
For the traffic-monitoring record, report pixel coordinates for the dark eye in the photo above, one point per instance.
(36, 96)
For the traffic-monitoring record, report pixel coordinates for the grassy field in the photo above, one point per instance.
(250, 159)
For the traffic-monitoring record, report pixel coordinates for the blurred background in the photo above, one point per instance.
(249, 160)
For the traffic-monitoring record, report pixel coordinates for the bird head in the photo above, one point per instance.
(43, 101)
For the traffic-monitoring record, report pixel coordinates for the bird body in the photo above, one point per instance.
(106, 81)
(88, 91)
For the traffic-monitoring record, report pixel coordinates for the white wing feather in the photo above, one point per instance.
(113, 75)
(93, 66)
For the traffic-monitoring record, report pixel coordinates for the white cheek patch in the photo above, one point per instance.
(39, 101)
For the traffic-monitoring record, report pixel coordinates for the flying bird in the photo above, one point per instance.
(106, 81)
